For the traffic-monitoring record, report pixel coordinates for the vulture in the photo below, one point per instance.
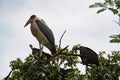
(87, 55)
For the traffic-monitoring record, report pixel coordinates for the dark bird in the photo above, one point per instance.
(42, 33)
(36, 51)
(88, 56)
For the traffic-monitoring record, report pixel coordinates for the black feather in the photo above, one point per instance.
(48, 34)
(90, 57)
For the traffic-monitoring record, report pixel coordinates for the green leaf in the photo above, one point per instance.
(117, 4)
(115, 38)
(101, 10)
(96, 5)
(115, 11)
(110, 2)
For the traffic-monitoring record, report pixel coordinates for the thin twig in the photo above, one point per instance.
(117, 22)
(71, 54)
(66, 53)
(64, 49)
(61, 38)
(58, 53)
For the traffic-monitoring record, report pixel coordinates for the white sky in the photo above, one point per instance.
(83, 26)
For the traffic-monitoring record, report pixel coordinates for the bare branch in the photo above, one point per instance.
(49, 57)
(70, 54)
(117, 22)
(67, 54)
(58, 53)
(61, 38)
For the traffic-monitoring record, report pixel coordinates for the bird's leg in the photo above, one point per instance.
(41, 49)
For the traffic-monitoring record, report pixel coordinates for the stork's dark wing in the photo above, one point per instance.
(46, 31)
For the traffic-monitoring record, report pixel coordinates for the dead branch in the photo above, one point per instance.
(49, 57)
(117, 22)
(70, 54)
(67, 54)
(58, 53)
(61, 38)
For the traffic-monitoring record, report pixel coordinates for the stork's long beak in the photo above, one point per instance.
(28, 22)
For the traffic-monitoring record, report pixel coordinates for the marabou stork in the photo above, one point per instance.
(42, 33)
(88, 56)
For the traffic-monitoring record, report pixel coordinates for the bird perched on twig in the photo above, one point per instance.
(42, 33)
(36, 51)
(88, 55)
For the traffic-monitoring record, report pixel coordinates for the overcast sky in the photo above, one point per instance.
(82, 24)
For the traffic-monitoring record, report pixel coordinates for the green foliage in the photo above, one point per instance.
(111, 5)
(115, 38)
(109, 69)
(114, 7)
(64, 67)
(101, 10)
(36, 68)
(97, 5)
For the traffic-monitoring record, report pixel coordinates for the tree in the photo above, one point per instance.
(114, 7)
(64, 67)
(115, 38)
(111, 64)
(109, 69)
(44, 68)
(111, 5)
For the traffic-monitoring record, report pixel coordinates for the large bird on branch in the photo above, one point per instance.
(88, 56)
(42, 33)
